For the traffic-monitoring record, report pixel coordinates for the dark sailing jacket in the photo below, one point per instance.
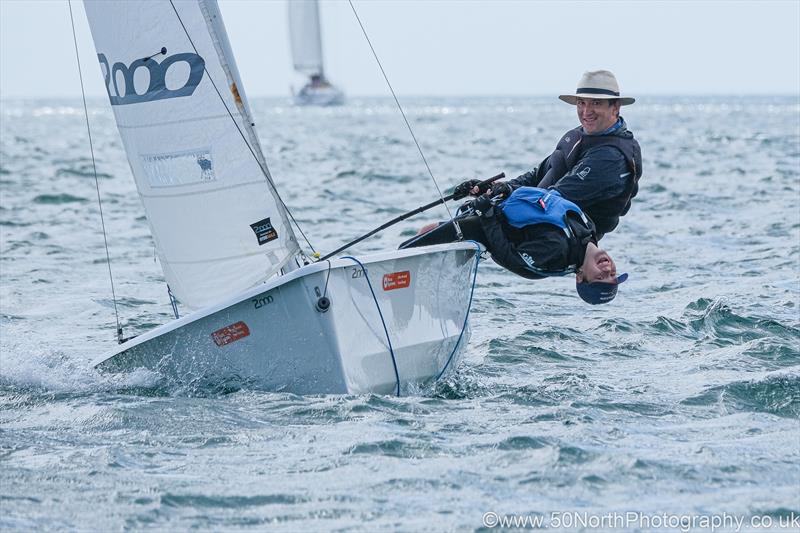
(538, 248)
(600, 173)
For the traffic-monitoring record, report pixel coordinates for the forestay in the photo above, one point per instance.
(305, 34)
(217, 222)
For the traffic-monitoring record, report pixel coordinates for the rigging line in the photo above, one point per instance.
(466, 315)
(252, 152)
(96, 181)
(173, 302)
(408, 125)
(327, 279)
(383, 322)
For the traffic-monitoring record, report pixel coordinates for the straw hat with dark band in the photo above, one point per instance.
(600, 84)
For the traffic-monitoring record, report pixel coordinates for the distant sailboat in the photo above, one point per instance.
(306, 39)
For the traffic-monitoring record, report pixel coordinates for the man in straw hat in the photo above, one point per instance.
(596, 165)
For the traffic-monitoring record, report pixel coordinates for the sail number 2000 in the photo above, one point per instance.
(262, 301)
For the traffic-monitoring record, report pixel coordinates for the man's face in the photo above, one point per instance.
(596, 114)
(597, 266)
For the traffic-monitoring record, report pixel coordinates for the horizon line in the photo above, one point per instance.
(423, 95)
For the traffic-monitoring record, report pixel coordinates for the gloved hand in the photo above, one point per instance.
(501, 188)
(483, 206)
(465, 189)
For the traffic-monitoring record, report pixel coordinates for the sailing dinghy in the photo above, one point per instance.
(306, 41)
(261, 315)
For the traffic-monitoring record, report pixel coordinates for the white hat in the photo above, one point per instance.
(600, 84)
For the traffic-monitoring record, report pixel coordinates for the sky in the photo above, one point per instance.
(456, 47)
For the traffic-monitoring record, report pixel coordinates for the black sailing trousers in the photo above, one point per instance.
(470, 227)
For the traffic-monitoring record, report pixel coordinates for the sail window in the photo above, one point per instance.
(180, 168)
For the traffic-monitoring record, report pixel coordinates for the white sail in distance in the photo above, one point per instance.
(305, 34)
(217, 223)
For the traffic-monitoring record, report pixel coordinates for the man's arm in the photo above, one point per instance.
(530, 178)
(601, 174)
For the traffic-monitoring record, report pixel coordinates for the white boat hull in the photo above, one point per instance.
(275, 337)
(320, 96)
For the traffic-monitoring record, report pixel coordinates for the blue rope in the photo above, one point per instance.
(464, 326)
(391, 350)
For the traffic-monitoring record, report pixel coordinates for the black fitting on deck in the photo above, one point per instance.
(323, 304)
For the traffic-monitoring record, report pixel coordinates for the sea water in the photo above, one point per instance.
(677, 403)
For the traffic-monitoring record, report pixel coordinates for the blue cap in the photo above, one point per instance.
(599, 292)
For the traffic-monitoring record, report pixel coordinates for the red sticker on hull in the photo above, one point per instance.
(231, 333)
(396, 280)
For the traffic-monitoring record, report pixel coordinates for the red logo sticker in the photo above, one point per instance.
(396, 280)
(231, 333)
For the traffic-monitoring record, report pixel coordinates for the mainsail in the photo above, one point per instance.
(304, 31)
(184, 120)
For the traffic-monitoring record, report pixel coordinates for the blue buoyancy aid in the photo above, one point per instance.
(531, 205)
(528, 206)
